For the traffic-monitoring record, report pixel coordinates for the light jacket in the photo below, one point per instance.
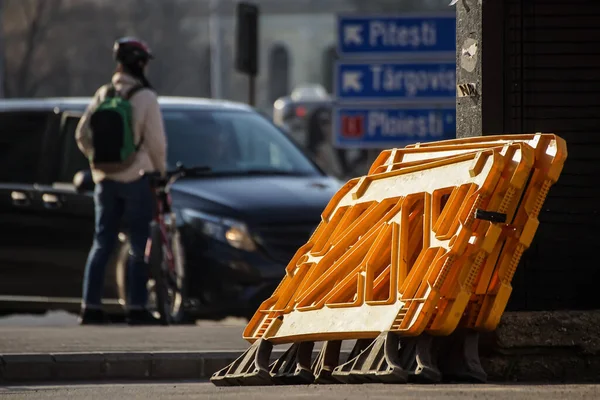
(148, 122)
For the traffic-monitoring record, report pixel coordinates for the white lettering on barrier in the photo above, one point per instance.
(390, 34)
(431, 124)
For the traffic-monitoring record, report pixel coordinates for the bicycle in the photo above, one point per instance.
(164, 251)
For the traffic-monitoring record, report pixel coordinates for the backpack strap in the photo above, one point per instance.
(128, 96)
(111, 91)
(133, 91)
(137, 146)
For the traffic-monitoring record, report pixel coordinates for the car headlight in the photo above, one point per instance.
(230, 231)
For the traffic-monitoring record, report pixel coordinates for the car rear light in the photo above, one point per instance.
(300, 112)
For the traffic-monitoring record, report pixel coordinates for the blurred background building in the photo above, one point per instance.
(63, 47)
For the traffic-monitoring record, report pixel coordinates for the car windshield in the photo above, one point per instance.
(231, 142)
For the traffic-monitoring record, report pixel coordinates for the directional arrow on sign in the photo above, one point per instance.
(353, 34)
(351, 81)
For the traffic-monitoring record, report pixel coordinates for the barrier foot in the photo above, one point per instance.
(378, 363)
(329, 359)
(418, 356)
(326, 361)
(359, 346)
(293, 367)
(459, 358)
(249, 369)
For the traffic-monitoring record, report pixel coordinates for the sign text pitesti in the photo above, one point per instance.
(397, 34)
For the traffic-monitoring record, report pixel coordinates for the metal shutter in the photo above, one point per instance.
(552, 85)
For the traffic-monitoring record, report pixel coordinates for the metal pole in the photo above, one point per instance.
(252, 90)
(216, 46)
(2, 49)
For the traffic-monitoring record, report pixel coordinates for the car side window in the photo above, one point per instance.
(21, 144)
(72, 159)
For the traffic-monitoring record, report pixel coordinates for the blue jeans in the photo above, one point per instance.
(132, 202)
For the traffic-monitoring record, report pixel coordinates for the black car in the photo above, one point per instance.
(241, 223)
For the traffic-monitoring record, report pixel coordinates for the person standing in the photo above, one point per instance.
(122, 133)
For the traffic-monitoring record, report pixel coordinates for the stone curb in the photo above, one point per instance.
(94, 366)
(566, 365)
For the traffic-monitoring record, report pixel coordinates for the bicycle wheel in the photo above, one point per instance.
(158, 269)
(176, 288)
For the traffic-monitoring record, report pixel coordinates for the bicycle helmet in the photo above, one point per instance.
(130, 50)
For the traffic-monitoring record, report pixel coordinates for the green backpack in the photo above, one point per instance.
(112, 134)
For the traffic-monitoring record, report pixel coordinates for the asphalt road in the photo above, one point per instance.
(203, 390)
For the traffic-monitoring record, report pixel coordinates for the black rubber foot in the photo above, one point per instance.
(293, 368)
(459, 358)
(326, 361)
(378, 363)
(418, 356)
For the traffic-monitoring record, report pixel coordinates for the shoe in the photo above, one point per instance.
(141, 317)
(92, 317)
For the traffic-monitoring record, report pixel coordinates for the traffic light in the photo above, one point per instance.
(246, 45)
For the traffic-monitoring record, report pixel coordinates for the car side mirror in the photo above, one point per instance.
(83, 181)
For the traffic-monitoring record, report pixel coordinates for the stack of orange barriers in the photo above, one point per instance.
(410, 261)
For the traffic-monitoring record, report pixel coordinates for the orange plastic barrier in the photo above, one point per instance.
(382, 253)
(493, 288)
(429, 240)
(550, 155)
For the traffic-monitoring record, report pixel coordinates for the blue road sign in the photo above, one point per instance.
(389, 81)
(414, 35)
(395, 83)
(371, 127)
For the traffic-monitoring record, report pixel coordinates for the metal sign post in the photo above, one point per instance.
(252, 90)
(216, 45)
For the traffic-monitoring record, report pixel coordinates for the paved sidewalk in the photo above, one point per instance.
(58, 331)
(121, 338)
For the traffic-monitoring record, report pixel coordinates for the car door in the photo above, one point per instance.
(25, 271)
(71, 213)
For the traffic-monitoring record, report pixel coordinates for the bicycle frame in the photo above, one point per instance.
(161, 209)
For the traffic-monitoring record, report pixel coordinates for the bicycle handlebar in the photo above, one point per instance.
(156, 179)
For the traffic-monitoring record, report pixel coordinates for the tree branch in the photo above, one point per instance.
(34, 84)
(37, 26)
